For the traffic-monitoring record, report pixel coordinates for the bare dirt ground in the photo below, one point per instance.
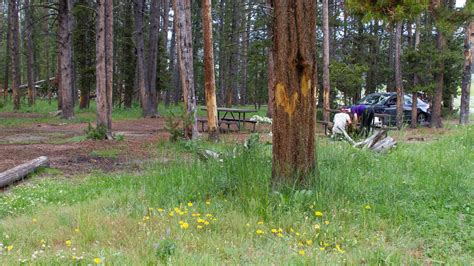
(65, 152)
(26, 142)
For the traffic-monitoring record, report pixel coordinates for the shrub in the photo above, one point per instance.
(98, 133)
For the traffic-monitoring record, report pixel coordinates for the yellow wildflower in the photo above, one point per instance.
(280, 235)
(160, 210)
(259, 232)
(208, 215)
(10, 248)
(274, 231)
(260, 222)
(190, 204)
(68, 243)
(42, 241)
(338, 247)
(97, 261)
(200, 220)
(318, 214)
(208, 203)
(326, 222)
(73, 257)
(309, 242)
(301, 252)
(199, 226)
(77, 230)
(184, 225)
(322, 248)
(171, 214)
(317, 226)
(34, 220)
(146, 218)
(176, 209)
(280, 230)
(300, 244)
(150, 209)
(195, 214)
(206, 222)
(367, 207)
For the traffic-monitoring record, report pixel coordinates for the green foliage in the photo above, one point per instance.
(347, 77)
(97, 133)
(173, 125)
(165, 249)
(388, 10)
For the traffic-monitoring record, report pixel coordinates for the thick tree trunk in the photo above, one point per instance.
(398, 74)
(466, 80)
(209, 74)
(146, 98)
(326, 86)
(182, 11)
(65, 57)
(47, 55)
(294, 115)
(153, 56)
(15, 53)
(104, 65)
(436, 121)
(414, 107)
(29, 53)
(128, 51)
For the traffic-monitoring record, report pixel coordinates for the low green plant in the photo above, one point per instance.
(96, 133)
(173, 127)
(165, 249)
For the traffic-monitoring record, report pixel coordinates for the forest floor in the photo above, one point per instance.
(68, 149)
(143, 200)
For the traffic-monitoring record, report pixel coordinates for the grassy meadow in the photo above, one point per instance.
(411, 206)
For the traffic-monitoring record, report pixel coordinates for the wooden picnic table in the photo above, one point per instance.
(233, 115)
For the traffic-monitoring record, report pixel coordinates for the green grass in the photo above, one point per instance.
(106, 153)
(411, 206)
(42, 110)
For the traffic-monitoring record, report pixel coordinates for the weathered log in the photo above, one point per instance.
(370, 141)
(384, 145)
(10, 176)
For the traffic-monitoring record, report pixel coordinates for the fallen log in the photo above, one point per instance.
(17, 173)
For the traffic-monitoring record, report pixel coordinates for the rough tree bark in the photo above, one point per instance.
(414, 106)
(7, 57)
(398, 74)
(153, 56)
(209, 75)
(466, 81)
(15, 53)
(143, 80)
(104, 65)
(182, 11)
(270, 64)
(65, 58)
(326, 85)
(294, 115)
(29, 53)
(436, 120)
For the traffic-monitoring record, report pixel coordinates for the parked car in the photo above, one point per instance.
(386, 103)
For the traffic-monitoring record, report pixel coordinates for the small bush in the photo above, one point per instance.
(172, 126)
(98, 133)
(165, 249)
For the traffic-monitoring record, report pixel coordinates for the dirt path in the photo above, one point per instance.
(61, 143)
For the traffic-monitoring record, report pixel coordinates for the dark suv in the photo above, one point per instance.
(386, 103)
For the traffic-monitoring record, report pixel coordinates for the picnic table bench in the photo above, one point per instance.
(231, 116)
